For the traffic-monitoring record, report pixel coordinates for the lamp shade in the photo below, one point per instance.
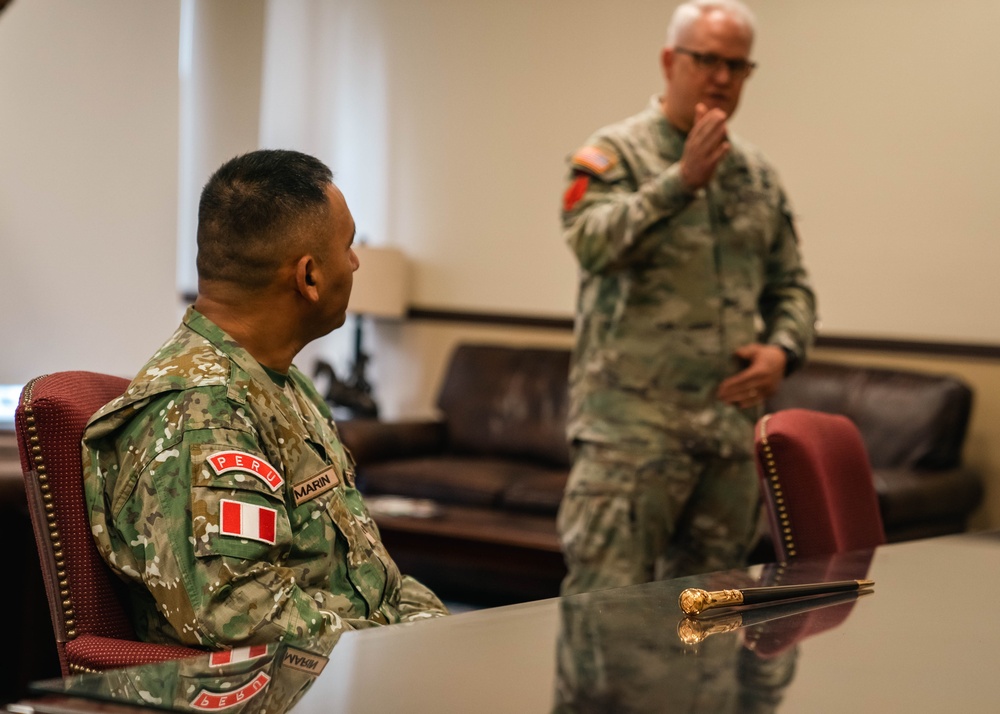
(381, 282)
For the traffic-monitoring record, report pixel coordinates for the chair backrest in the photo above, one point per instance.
(817, 484)
(92, 628)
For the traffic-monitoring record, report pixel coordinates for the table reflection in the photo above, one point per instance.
(620, 654)
(269, 678)
(622, 650)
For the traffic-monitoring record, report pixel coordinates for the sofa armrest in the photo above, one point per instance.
(371, 441)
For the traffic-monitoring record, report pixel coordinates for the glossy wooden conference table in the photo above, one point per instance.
(926, 640)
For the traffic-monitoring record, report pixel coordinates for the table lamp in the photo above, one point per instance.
(381, 287)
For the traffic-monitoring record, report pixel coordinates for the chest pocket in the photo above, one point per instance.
(745, 208)
(369, 567)
(237, 504)
(332, 511)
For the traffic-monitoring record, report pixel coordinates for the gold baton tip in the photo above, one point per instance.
(694, 601)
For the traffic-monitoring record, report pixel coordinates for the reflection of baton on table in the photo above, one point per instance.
(694, 601)
(692, 630)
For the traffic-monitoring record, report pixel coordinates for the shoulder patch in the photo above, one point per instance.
(217, 701)
(247, 520)
(594, 160)
(240, 654)
(224, 461)
(575, 192)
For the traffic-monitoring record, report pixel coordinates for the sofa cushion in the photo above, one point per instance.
(907, 419)
(507, 401)
(908, 497)
(541, 492)
(470, 481)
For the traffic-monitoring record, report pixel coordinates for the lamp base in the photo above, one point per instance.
(353, 397)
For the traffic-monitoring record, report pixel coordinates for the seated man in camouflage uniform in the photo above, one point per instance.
(217, 485)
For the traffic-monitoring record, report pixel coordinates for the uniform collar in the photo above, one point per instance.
(671, 138)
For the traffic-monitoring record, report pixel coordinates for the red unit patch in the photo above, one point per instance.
(225, 461)
(575, 192)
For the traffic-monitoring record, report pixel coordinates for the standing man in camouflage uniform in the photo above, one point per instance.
(217, 485)
(693, 304)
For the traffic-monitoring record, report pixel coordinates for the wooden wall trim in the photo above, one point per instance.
(837, 342)
(833, 342)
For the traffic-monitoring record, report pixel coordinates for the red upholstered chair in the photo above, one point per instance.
(92, 628)
(817, 484)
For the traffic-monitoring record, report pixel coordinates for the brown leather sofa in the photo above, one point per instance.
(489, 474)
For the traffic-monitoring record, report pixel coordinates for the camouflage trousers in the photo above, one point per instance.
(633, 516)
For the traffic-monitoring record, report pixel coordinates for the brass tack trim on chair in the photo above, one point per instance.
(774, 483)
(69, 616)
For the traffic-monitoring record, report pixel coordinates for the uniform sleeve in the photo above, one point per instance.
(418, 602)
(211, 547)
(606, 216)
(788, 303)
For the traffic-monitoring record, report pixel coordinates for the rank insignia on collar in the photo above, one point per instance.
(216, 701)
(245, 520)
(225, 461)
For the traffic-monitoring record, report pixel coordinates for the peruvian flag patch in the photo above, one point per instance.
(225, 461)
(245, 520)
(240, 654)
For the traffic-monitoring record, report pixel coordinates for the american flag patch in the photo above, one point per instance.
(245, 520)
(240, 654)
(593, 159)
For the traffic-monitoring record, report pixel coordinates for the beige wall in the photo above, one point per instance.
(88, 184)
(449, 122)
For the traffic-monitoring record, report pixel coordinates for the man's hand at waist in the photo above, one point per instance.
(759, 380)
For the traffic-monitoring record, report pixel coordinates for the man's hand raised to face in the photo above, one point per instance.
(706, 144)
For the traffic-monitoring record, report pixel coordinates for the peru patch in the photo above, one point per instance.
(240, 654)
(216, 701)
(225, 461)
(245, 520)
(313, 487)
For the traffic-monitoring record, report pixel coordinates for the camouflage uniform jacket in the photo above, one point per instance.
(228, 505)
(671, 283)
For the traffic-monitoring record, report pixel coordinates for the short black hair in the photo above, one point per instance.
(252, 211)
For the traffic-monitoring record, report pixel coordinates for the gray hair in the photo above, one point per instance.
(687, 14)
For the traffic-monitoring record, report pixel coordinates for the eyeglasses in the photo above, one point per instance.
(710, 62)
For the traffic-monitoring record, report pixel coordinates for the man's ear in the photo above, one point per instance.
(667, 56)
(306, 278)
